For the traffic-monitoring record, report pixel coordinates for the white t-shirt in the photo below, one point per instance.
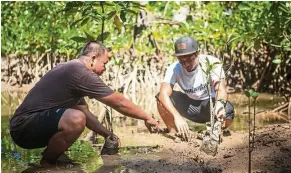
(194, 83)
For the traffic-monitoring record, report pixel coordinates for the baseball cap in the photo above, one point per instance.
(185, 46)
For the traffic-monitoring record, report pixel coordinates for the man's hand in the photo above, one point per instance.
(182, 127)
(113, 137)
(219, 109)
(111, 145)
(152, 125)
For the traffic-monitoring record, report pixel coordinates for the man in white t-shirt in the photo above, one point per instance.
(193, 102)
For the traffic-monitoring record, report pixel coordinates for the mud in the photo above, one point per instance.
(163, 154)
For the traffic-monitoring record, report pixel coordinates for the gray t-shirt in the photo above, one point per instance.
(62, 87)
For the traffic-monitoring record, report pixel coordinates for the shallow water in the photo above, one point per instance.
(15, 159)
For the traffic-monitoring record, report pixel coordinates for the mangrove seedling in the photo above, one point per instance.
(251, 94)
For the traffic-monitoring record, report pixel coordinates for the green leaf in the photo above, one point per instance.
(207, 62)
(255, 95)
(79, 39)
(85, 21)
(111, 14)
(89, 37)
(105, 35)
(122, 16)
(74, 4)
(247, 93)
(277, 61)
(216, 63)
(131, 11)
(243, 6)
(251, 91)
(75, 22)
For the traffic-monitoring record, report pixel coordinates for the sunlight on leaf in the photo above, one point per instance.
(277, 61)
(255, 95)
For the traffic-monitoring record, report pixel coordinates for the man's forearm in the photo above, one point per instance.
(167, 103)
(126, 107)
(93, 124)
(220, 89)
(131, 110)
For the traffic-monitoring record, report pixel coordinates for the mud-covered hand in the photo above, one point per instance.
(113, 137)
(111, 145)
(219, 109)
(182, 127)
(152, 125)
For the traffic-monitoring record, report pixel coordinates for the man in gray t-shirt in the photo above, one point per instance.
(54, 113)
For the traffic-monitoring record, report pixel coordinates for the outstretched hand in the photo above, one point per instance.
(182, 127)
(153, 126)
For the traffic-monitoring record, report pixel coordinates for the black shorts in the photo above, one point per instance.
(196, 110)
(37, 131)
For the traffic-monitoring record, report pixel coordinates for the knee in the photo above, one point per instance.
(75, 121)
(229, 110)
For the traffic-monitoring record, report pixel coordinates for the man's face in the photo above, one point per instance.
(188, 61)
(99, 63)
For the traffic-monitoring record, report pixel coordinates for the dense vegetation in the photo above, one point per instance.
(247, 36)
(251, 38)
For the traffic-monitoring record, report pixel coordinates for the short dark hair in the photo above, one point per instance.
(93, 46)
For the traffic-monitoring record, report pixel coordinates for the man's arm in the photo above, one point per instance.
(126, 107)
(220, 89)
(92, 122)
(221, 97)
(164, 96)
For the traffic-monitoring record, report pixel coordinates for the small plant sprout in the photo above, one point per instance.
(251, 94)
(212, 136)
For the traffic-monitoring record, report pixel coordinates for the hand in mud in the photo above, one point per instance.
(182, 127)
(153, 126)
(219, 110)
(113, 137)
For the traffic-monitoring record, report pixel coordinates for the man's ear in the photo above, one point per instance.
(93, 58)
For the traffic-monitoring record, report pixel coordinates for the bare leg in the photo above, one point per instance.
(167, 117)
(226, 124)
(71, 126)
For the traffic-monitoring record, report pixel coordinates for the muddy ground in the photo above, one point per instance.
(162, 154)
(272, 154)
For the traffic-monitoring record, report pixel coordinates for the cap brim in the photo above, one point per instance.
(182, 54)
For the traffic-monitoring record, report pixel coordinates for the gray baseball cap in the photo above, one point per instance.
(185, 46)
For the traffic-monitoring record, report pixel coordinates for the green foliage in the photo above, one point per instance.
(62, 27)
(251, 93)
(277, 61)
(208, 67)
(35, 27)
(15, 159)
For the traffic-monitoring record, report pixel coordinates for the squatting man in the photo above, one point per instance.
(54, 113)
(193, 102)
